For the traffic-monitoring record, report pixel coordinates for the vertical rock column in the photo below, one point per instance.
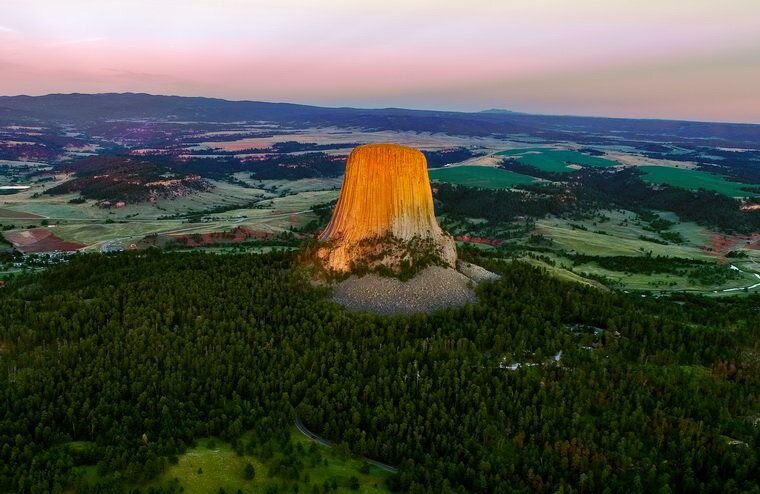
(384, 214)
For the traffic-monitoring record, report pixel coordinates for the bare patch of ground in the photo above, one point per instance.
(638, 160)
(485, 160)
(721, 244)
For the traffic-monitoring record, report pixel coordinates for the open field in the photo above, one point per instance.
(213, 465)
(617, 239)
(694, 179)
(480, 176)
(337, 135)
(10, 214)
(564, 274)
(620, 235)
(667, 281)
(556, 160)
(271, 206)
(39, 240)
(521, 151)
(630, 157)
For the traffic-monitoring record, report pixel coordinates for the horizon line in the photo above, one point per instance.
(377, 108)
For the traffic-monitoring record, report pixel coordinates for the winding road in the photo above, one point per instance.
(324, 442)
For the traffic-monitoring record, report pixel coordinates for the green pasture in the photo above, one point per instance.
(694, 179)
(556, 160)
(213, 465)
(480, 176)
(619, 237)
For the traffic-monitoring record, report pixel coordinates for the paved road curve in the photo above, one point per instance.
(324, 442)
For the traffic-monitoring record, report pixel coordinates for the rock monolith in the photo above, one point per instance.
(384, 217)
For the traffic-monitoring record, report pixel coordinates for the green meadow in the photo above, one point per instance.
(293, 463)
(485, 177)
(694, 179)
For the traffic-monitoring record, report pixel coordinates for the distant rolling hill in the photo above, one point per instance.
(75, 108)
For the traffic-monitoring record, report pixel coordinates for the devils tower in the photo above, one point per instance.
(384, 218)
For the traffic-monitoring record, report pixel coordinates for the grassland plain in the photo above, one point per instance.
(480, 176)
(616, 240)
(694, 179)
(619, 234)
(214, 464)
(273, 206)
(558, 271)
(556, 160)
(664, 282)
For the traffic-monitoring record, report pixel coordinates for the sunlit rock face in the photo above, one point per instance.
(384, 216)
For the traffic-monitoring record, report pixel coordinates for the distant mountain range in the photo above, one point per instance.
(77, 108)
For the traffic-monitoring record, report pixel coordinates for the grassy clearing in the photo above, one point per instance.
(564, 274)
(694, 179)
(214, 464)
(480, 176)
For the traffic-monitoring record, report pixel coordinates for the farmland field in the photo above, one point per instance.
(556, 160)
(694, 179)
(480, 176)
(11, 214)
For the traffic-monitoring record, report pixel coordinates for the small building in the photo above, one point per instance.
(108, 248)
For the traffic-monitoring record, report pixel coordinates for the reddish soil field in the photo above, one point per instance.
(478, 240)
(40, 240)
(720, 245)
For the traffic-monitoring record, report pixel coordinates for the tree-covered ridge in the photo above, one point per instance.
(126, 178)
(144, 352)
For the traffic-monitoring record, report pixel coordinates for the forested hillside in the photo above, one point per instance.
(545, 386)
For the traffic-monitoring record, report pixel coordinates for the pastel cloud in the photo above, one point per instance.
(694, 59)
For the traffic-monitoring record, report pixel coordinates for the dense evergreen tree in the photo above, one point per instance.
(141, 353)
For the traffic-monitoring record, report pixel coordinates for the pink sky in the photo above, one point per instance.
(692, 59)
